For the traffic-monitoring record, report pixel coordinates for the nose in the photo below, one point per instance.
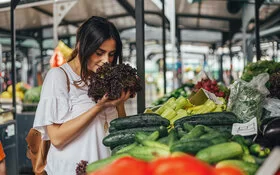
(105, 58)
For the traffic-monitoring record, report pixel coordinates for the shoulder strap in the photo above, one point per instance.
(67, 78)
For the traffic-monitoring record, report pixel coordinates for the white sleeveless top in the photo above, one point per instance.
(58, 106)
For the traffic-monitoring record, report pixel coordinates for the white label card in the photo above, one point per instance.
(212, 97)
(10, 130)
(245, 129)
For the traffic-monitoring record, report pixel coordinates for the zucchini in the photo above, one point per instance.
(213, 118)
(139, 120)
(191, 146)
(216, 153)
(248, 168)
(103, 162)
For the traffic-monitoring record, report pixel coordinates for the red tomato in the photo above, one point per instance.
(278, 172)
(228, 171)
(125, 166)
(181, 165)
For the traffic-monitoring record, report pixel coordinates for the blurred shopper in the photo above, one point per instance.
(73, 123)
(2, 160)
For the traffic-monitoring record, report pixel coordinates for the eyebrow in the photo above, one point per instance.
(105, 50)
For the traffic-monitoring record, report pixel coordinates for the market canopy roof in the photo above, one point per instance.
(194, 16)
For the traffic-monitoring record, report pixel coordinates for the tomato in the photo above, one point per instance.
(181, 165)
(125, 166)
(228, 171)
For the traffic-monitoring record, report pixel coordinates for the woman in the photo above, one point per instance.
(71, 120)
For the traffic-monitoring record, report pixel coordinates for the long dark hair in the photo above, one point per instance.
(90, 35)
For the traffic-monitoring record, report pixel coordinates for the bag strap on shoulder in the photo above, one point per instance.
(67, 78)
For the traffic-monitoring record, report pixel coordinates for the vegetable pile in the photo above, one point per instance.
(254, 69)
(211, 86)
(111, 80)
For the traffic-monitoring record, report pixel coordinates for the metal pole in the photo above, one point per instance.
(221, 68)
(230, 56)
(13, 51)
(140, 54)
(41, 50)
(163, 45)
(257, 30)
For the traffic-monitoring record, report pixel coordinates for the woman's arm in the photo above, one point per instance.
(121, 110)
(61, 134)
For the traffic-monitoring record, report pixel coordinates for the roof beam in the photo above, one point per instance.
(203, 28)
(127, 7)
(185, 15)
(51, 15)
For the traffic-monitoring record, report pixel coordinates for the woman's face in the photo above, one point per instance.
(105, 53)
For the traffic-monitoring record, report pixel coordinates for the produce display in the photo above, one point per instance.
(111, 80)
(21, 89)
(188, 141)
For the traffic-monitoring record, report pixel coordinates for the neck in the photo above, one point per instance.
(75, 65)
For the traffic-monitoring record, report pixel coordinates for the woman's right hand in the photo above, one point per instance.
(105, 102)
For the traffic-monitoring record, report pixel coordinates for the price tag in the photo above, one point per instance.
(212, 97)
(10, 130)
(245, 129)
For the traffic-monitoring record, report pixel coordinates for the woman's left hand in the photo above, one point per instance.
(105, 102)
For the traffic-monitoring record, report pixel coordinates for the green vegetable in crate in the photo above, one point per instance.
(139, 120)
(223, 151)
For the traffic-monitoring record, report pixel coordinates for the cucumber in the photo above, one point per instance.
(117, 148)
(248, 168)
(147, 153)
(180, 131)
(213, 118)
(164, 140)
(218, 140)
(196, 132)
(113, 140)
(241, 140)
(127, 148)
(187, 127)
(112, 129)
(155, 144)
(191, 147)
(103, 162)
(172, 137)
(139, 120)
(216, 153)
(127, 136)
